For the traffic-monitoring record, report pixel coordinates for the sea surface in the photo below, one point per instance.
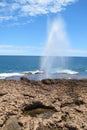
(14, 67)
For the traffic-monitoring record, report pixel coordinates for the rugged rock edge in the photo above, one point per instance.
(67, 97)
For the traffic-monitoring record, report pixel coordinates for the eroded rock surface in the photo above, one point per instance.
(11, 124)
(55, 104)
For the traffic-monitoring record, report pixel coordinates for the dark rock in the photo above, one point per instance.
(79, 102)
(2, 94)
(25, 79)
(48, 81)
(70, 127)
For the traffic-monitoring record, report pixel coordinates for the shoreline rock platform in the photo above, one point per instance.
(49, 104)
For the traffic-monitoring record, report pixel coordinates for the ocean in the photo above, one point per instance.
(14, 67)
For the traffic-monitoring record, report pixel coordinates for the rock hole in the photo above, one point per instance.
(37, 109)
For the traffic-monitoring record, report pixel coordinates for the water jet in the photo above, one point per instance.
(56, 48)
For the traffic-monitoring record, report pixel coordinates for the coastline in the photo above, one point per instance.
(66, 98)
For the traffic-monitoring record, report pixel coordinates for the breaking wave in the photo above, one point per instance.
(6, 75)
(25, 73)
(67, 71)
(33, 72)
(53, 71)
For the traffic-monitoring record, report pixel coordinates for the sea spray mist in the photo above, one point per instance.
(57, 44)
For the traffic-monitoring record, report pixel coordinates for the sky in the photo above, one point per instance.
(23, 25)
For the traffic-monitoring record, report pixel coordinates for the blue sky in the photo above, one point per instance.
(23, 25)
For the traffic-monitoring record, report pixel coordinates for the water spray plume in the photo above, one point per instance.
(57, 44)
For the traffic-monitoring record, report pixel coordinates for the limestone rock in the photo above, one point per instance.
(68, 99)
(12, 124)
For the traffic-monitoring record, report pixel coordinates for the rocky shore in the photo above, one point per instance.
(57, 104)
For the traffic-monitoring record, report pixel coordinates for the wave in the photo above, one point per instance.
(65, 71)
(33, 72)
(6, 75)
(53, 71)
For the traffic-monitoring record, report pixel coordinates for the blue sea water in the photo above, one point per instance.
(13, 67)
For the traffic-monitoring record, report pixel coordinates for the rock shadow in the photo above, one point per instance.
(38, 109)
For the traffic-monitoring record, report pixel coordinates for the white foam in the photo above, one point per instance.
(6, 75)
(64, 71)
(67, 71)
(33, 72)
